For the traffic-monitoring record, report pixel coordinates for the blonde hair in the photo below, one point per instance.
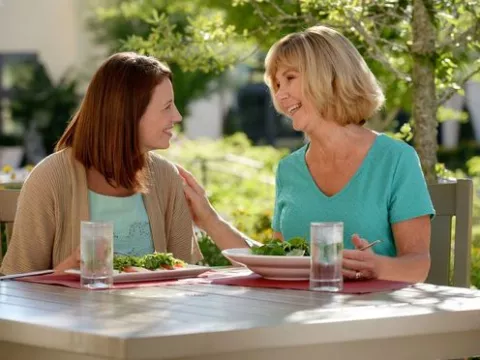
(334, 75)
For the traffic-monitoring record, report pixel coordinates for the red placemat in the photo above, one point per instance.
(225, 277)
(349, 287)
(73, 281)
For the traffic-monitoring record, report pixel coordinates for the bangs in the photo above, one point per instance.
(283, 54)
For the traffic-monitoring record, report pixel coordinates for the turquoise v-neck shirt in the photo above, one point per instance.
(388, 187)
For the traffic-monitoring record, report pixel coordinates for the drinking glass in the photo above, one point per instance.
(96, 254)
(326, 248)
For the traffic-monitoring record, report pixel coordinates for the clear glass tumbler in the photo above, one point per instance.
(96, 254)
(326, 248)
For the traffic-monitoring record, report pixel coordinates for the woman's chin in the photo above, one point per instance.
(298, 126)
(163, 145)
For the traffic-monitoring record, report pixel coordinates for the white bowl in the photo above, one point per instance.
(271, 267)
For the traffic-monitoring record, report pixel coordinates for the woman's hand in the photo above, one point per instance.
(203, 213)
(72, 262)
(360, 265)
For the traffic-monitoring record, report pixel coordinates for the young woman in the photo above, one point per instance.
(103, 170)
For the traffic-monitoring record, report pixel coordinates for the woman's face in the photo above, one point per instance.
(159, 118)
(290, 99)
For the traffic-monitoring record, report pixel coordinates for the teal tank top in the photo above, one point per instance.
(131, 227)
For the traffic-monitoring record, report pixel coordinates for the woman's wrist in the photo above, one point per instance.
(212, 222)
(409, 267)
(381, 263)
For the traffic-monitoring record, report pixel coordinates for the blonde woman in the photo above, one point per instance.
(346, 172)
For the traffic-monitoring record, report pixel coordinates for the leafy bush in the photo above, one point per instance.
(211, 253)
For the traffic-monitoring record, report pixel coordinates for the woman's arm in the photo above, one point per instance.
(409, 210)
(412, 240)
(31, 246)
(226, 236)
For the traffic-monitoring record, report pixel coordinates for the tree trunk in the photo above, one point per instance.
(424, 98)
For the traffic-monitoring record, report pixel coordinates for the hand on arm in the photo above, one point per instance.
(205, 216)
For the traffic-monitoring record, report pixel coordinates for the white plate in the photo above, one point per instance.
(187, 272)
(272, 267)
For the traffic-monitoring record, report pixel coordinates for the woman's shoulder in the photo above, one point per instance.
(162, 166)
(53, 167)
(295, 158)
(157, 161)
(394, 152)
(396, 158)
(395, 146)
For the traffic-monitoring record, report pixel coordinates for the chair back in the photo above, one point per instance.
(8, 207)
(453, 203)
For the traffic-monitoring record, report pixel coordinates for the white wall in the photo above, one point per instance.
(206, 115)
(53, 29)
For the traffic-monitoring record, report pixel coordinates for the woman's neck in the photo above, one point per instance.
(97, 183)
(330, 142)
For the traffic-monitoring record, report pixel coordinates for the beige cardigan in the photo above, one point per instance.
(54, 199)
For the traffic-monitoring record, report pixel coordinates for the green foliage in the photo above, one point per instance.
(380, 29)
(475, 268)
(38, 99)
(156, 27)
(211, 254)
(475, 255)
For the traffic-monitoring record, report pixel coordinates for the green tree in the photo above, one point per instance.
(156, 20)
(41, 102)
(421, 50)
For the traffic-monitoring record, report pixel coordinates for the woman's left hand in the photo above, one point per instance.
(360, 265)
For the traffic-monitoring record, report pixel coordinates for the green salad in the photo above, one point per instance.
(150, 261)
(296, 246)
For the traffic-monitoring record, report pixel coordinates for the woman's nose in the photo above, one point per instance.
(282, 95)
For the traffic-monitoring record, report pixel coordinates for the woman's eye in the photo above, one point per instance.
(291, 77)
(168, 107)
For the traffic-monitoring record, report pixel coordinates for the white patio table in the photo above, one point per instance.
(227, 322)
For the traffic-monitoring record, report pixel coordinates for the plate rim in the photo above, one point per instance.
(121, 276)
(277, 257)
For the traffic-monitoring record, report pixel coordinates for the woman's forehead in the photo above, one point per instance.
(284, 69)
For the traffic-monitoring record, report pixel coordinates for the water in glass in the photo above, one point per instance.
(96, 252)
(326, 247)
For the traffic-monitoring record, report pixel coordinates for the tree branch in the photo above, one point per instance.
(462, 37)
(278, 8)
(450, 92)
(377, 53)
(260, 13)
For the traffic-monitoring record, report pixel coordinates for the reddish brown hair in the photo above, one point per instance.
(103, 134)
